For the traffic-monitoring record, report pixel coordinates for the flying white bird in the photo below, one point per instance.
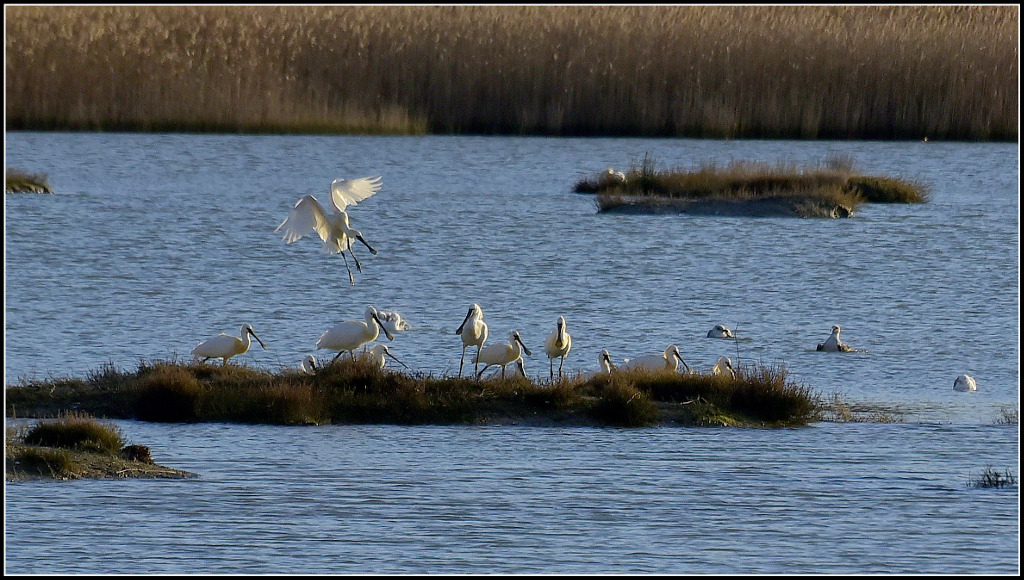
(378, 356)
(720, 331)
(334, 228)
(352, 334)
(502, 353)
(557, 346)
(723, 366)
(474, 332)
(669, 360)
(833, 344)
(965, 384)
(226, 346)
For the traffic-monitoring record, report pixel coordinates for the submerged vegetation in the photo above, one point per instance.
(76, 445)
(359, 392)
(993, 478)
(814, 72)
(22, 182)
(832, 189)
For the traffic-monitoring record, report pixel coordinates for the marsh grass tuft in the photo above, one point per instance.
(18, 181)
(348, 391)
(77, 431)
(991, 478)
(812, 190)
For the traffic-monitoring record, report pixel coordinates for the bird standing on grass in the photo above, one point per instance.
(473, 331)
(352, 334)
(669, 360)
(334, 228)
(378, 356)
(723, 367)
(502, 353)
(226, 346)
(557, 345)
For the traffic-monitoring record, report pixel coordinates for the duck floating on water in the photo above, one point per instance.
(833, 344)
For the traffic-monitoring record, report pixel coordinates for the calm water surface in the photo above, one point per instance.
(154, 242)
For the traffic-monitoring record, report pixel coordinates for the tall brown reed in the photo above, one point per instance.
(886, 72)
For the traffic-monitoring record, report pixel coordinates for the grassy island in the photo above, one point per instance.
(74, 446)
(832, 189)
(358, 392)
(22, 182)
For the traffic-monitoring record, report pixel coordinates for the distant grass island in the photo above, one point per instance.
(831, 190)
(18, 181)
(357, 392)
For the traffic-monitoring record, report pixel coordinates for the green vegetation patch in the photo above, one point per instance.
(358, 392)
(831, 189)
(23, 182)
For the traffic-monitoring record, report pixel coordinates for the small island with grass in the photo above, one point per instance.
(356, 391)
(23, 182)
(831, 190)
(75, 445)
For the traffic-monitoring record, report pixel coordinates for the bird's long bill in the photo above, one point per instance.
(396, 358)
(365, 243)
(464, 321)
(258, 340)
(520, 341)
(381, 324)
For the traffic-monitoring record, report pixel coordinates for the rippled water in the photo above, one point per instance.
(154, 242)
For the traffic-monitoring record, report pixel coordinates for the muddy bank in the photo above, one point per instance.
(30, 462)
(777, 207)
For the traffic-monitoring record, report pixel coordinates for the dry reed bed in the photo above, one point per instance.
(947, 72)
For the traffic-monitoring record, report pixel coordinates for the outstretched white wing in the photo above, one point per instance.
(307, 215)
(346, 192)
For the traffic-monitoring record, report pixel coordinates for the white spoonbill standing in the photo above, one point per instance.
(226, 346)
(334, 228)
(474, 332)
(502, 353)
(605, 361)
(352, 334)
(669, 361)
(833, 344)
(724, 367)
(557, 345)
(965, 384)
(378, 356)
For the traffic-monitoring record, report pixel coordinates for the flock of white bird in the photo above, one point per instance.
(349, 336)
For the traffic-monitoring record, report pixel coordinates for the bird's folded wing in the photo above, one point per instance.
(307, 215)
(345, 192)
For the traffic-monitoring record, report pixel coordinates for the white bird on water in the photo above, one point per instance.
(474, 332)
(334, 228)
(965, 384)
(615, 175)
(393, 321)
(557, 345)
(226, 346)
(669, 360)
(723, 366)
(502, 353)
(378, 356)
(720, 331)
(833, 344)
(352, 334)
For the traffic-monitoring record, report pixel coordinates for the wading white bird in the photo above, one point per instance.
(502, 353)
(557, 346)
(334, 228)
(308, 365)
(723, 367)
(605, 361)
(965, 384)
(392, 321)
(378, 356)
(226, 346)
(720, 331)
(352, 334)
(474, 332)
(833, 344)
(669, 360)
